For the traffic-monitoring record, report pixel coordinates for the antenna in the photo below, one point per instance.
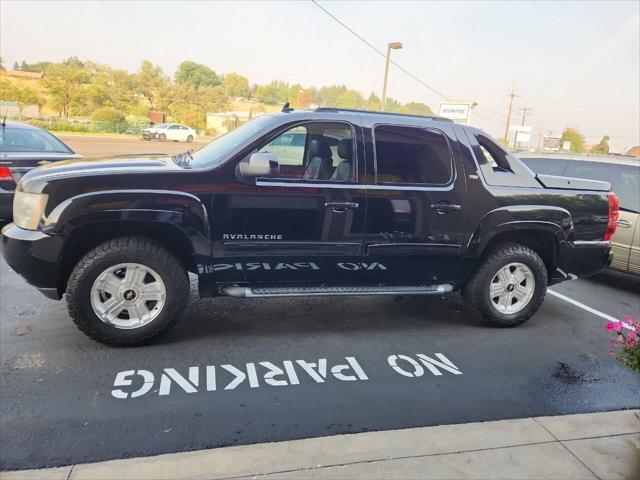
(4, 120)
(286, 108)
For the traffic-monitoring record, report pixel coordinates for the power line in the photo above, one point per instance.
(379, 52)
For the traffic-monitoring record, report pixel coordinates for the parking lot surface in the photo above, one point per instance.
(242, 372)
(97, 146)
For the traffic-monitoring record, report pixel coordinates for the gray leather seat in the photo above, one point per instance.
(344, 169)
(319, 167)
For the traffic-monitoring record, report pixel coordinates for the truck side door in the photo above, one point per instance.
(300, 226)
(416, 200)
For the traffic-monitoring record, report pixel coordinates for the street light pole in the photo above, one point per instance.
(394, 46)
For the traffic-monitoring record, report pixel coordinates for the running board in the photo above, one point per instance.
(262, 292)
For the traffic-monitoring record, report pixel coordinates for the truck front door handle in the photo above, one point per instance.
(341, 207)
(444, 208)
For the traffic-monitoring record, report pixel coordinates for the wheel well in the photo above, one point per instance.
(541, 242)
(86, 237)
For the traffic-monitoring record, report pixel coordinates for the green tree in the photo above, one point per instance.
(350, 99)
(110, 88)
(35, 67)
(305, 98)
(391, 105)
(275, 92)
(151, 83)
(23, 95)
(416, 108)
(107, 114)
(236, 85)
(602, 148)
(292, 94)
(328, 96)
(197, 75)
(16, 67)
(64, 82)
(373, 103)
(575, 137)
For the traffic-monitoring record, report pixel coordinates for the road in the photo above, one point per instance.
(65, 398)
(98, 146)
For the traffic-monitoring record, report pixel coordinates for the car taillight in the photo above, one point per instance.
(614, 212)
(5, 174)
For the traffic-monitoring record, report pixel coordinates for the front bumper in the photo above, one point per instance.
(581, 259)
(149, 135)
(34, 255)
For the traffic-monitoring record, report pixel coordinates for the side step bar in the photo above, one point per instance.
(262, 292)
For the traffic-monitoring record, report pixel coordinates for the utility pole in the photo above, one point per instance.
(525, 111)
(506, 130)
(394, 46)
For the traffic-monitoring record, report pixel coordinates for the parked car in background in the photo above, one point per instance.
(169, 131)
(624, 176)
(22, 148)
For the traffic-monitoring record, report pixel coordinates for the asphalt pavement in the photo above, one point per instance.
(99, 146)
(239, 372)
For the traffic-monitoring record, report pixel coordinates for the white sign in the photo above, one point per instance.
(522, 137)
(520, 128)
(566, 145)
(216, 378)
(455, 111)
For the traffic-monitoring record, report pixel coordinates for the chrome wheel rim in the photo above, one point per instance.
(128, 295)
(512, 288)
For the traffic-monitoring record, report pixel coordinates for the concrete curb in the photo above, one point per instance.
(603, 445)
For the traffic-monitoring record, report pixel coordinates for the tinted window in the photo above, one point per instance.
(410, 155)
(624, 179)
(28, 140)
(546, 166)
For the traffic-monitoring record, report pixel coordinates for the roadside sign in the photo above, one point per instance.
(457, 111)
(566, 145)
(551, 143)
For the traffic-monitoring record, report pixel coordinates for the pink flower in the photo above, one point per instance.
(611, 326)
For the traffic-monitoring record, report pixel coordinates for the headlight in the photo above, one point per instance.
(28, 209)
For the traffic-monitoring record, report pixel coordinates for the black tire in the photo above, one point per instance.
(120, 250)
(190, 139)
(476, 291)
(162, 137)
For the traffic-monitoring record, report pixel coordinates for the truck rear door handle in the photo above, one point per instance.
(444, 208)
(341, 207)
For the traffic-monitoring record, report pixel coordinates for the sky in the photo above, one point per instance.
(574, 63)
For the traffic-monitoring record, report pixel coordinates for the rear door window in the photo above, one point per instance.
(411, 156)
(624, 179)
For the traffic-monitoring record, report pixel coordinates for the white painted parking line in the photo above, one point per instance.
(589, 309)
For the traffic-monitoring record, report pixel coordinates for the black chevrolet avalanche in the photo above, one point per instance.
(301, 203)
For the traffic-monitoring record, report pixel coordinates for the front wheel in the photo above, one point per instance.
(190, 139)
(127, 291)
(162, 137)
(508, 287)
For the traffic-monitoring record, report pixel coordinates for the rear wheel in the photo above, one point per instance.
(127, 291)
(509, 286)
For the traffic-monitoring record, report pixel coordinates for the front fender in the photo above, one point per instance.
(555, 220)
(180, 209)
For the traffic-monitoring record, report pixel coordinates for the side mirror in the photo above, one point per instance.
(259, 164)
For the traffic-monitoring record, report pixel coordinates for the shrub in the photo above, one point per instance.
(136, 123)
(107, 114)
(626, 341)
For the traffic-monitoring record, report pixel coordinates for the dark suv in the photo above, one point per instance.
(365, 203)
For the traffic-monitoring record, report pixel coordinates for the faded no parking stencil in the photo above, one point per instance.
(214, 378)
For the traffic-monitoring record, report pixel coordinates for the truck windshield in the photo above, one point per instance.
(220, 148)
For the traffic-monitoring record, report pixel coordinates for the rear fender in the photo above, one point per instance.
(555, 220)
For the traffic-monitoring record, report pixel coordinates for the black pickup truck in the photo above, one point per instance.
(299, 203)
